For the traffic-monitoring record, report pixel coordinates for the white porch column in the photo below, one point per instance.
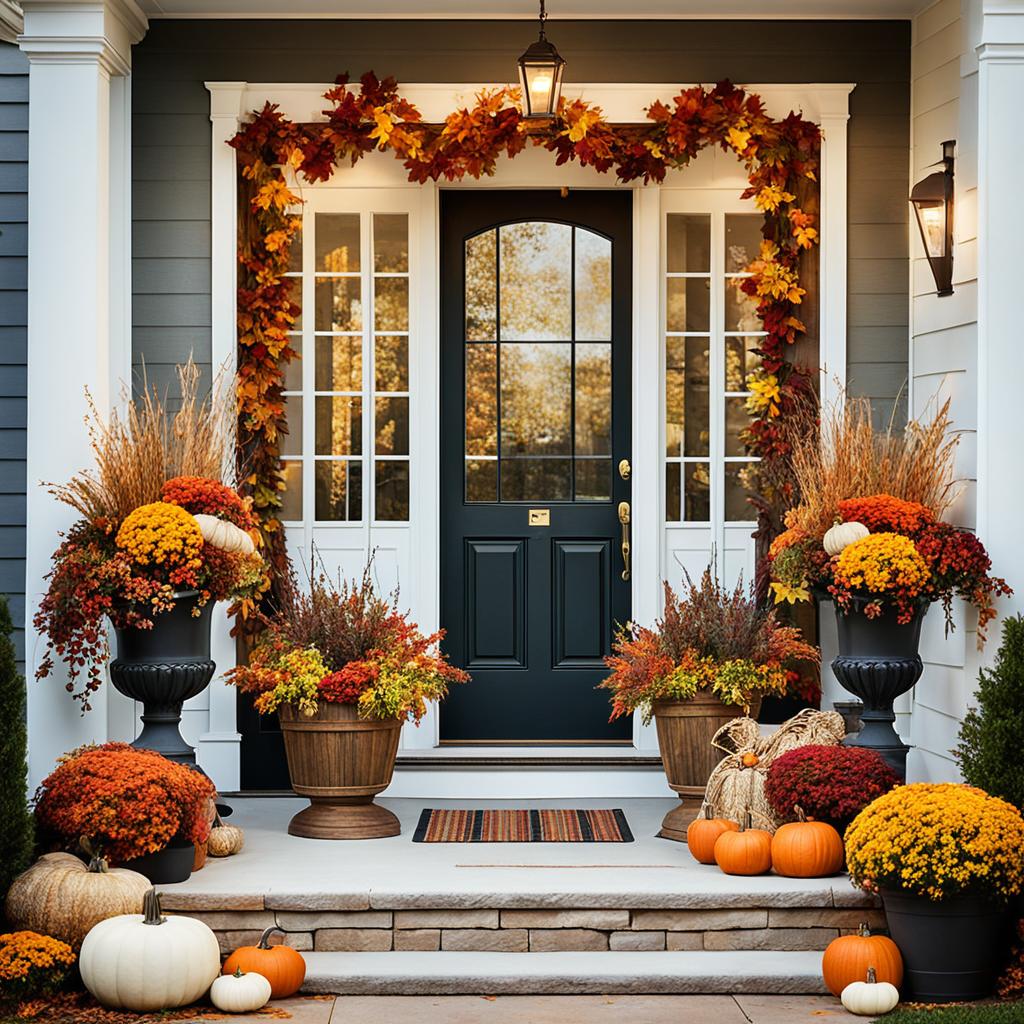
(219, 748)
(75, 49)
(1000, 230)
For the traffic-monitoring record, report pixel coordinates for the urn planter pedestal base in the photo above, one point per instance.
(685, 730)
(340, 762)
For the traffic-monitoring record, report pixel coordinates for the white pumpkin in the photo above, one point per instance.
(147, 962)
(219, 533)
(240, 993)
(870, 998)
(840, 536)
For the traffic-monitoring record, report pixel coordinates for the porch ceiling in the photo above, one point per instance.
(527, 9)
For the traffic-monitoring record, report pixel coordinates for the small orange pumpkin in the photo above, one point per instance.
(282, 966)
(748, 851)
(702, 833)
(848, 958)
(750, 759)
(807, 849)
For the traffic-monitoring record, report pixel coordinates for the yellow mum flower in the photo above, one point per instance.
(161, 534)
(882, 562)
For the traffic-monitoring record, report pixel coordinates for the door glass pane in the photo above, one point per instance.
(291, 439)
(536, 401)
(696, 492)
(688, 243)
(535, 281)
(742, 240)
(339, 490)
(339, 426)
(536, 479)
(741, 360)
(291, 498)
(688, 304)
(593, 479)
(481, 480)
(593, 286)
(392, 426)
(391, 362)
(337, 242)
(390, 244)
(338, 304)
(481, 287)
(737, 508)
(594, 399)
(737, 419)
(482, 401)
(392, 497)
(339, 364)
(672, 494)
(687, 394)
(391, 304)
(740, 308)
(293, 369)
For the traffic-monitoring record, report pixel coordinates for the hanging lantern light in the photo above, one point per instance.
(932, 199)
(540, 75)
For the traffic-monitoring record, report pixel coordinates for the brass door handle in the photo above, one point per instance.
(624, 520)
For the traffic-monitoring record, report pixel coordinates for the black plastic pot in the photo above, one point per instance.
(171, 864)
(878, 662)
(163, 667)
(952, 949)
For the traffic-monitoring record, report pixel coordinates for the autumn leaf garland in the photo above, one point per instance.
(780, 158)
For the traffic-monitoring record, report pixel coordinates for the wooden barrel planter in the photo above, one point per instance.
(340, 762)
(685, 730)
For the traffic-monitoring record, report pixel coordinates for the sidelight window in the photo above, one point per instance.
(538, 364)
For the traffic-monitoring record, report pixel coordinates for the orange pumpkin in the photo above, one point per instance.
(702, 833)
(748, 851)
(807, 849)
(282, 966)
(848, 958)
(750, 759)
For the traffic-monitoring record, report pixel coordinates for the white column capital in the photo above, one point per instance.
(83, 32)
(225, 100)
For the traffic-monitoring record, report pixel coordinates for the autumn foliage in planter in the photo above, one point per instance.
(125, 802)
(830, 783)
(345, 644)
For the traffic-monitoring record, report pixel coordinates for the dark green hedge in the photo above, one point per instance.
(993, 1013)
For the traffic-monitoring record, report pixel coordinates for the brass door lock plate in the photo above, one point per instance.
(540, 517)
(625, 469)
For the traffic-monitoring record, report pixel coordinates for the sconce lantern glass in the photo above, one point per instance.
(932, 199)
(540, 75)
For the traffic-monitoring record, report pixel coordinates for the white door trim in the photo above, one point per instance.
(824, 103)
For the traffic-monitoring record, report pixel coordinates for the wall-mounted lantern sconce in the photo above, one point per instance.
(932, 199)
(540, 75)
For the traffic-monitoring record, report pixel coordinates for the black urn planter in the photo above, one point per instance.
(163, 667)
(878, 662)
(952, 949)
(171, 864)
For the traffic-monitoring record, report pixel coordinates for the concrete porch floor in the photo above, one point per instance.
(289, 873)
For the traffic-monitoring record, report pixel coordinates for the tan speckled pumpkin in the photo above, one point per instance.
(224, 840)
(63, 897)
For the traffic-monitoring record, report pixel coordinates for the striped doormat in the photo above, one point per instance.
(526, 826)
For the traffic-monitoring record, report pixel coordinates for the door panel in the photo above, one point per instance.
(535, 417)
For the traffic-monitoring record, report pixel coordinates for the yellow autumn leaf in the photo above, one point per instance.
(771, 197)
(579, 128)
(784, 592)
(385, 126)
(739, 139)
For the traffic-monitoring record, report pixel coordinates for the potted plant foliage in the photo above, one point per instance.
(708, 659)
(946, 860)
(162, 537)
(868, 535)
(343, 668)
(128, 807)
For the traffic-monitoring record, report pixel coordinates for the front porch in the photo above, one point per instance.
(395, 918)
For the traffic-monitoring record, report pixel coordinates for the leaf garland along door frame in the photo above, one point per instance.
(781, 159)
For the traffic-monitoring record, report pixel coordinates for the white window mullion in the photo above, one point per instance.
(308, 365)
(716, 385)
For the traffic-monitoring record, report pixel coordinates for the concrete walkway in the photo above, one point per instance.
(560, 1010)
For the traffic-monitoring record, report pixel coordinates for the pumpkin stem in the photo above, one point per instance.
(709, 811)
(863, 931)
(151, 908)
(264, 942)
(872, 977)
(747, 821)
(238, 973)
(799, 812)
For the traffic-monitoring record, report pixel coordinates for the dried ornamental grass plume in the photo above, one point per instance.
(139, 450)
(938, 840)
(851, 459)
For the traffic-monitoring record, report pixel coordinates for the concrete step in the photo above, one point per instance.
(451, 973)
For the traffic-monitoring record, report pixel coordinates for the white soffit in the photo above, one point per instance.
(614, 10)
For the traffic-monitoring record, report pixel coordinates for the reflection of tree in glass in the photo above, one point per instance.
(535, 399)
(593, 399)
(536, 275)
(481, 400)
(593, 286)
(392, 500)
(481, 286)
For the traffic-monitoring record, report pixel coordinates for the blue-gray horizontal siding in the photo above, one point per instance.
(13, 328)
(171, 137)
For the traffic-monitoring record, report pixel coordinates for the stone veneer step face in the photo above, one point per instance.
(542, 930)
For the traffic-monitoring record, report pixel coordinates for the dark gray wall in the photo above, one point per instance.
(13, 330)
(171, 137)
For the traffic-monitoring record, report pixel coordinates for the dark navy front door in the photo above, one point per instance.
(535, 445)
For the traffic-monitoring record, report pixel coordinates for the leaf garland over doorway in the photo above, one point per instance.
(781, 158)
